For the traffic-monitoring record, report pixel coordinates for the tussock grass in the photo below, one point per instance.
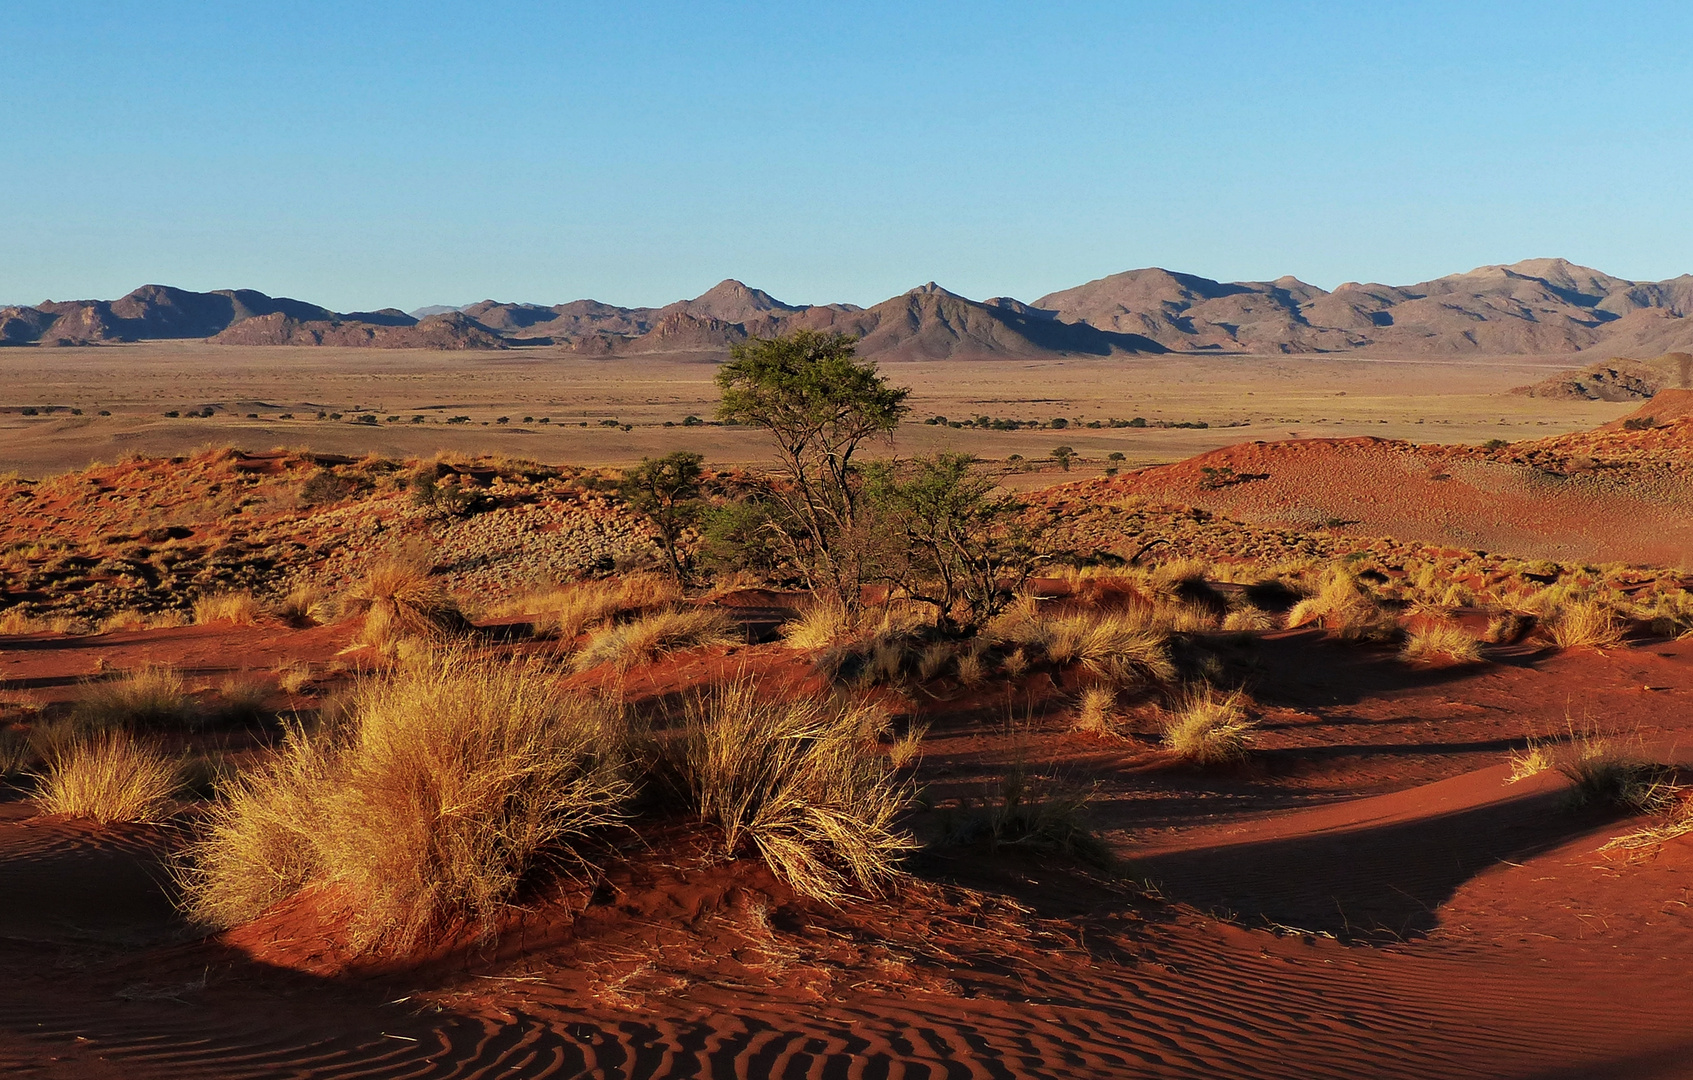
(1344, 606)
(1584, 624)
(305, 606)
(631, 644)
(129, 619)
(1208, 728)
(149, 697)
(16, 622)
(793, 780)
(234, 607)
(818, 626)
(400, 599)
(1249, 617)
(1442, 639)
(1601, 773)
(1041, 814)
(567, 610)
(440, 791)
(1113, 645)
(908, 748)
(293, 675)
(1531, 760)
(109, 777)
(1096, 713)
(243, 699)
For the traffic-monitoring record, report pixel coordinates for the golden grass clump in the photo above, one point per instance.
(1344, 606)
(148, 697)
(235, 607)
(1208, 728)
(819, 626)
(305, 605)
(1119, 646)
(631, 644)
(1603, 774)
(435, 797)
(567, 610)
(1584, 624)
(1442, 639)
(129, 619)
(109, 777)
(16, 622)
(794, 780)
(1096, 714)
(400, 599)
(1249, 617)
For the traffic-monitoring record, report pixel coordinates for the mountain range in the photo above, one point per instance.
(1538, 306)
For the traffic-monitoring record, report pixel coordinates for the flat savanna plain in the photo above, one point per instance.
(1365, 859)
(1269, 397)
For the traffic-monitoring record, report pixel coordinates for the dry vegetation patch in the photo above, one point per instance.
(109, 777)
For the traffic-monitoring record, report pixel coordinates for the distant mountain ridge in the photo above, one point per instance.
(1537, 306)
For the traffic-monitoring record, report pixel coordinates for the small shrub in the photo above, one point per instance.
(792, 779)
(243, 700)
(1117, 646)
(437, 795)
(1442, 639)
(626, 645)
(149, 697)
(237, 607)
(1346, 607)
(1206, 728)
(109, 777)
(1036, 813)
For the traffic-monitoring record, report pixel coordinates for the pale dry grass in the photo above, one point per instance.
(439, 792)
(148, 697)
(1584, 624)
(1442, 640)
(820, 625)
(567, 610)
(109, 777)
(908, 748)
(293, 675)
(232, 607)
(631, 644)
(1344, 606)
(399, 599)
(16, 622)
(1208, 728)
(793, 779)
(1249, 617)
(1603, 772)
(305, 605)
(1096, 713)
(129, 619)
(1119, 646)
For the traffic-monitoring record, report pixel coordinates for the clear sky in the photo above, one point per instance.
(368, 154)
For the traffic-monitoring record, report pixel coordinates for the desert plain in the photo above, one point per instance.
(1343, 736)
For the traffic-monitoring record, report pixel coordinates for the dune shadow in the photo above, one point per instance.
(1386, 882)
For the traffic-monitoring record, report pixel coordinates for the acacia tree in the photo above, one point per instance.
(667, 491)
(820, 403)
(961, 551)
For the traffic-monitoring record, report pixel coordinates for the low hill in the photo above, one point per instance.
(448, 331)
(1620, 379)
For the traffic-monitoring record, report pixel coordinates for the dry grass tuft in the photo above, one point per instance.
(293, 675)
(434, 798)
(1039, 813)
(567, 610)
(236, 607)
(1603, 774)
(908, 748)
(819, 626)
(631, 644)
(1114, 645)
(1249, 617)
(1531, 760)
(243, 699)
(1584, 624)
(1207, 728)
(109, 777)
(129, 619)
(16, 622)
(1097, 712)
(400, 599)
(1344, 606)
(305, 606)
(1442, 639)
(149, 697)
(793, 779)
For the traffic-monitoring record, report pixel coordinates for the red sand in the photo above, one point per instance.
(1480, 933)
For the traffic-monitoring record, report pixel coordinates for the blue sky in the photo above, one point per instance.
(362, 155)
